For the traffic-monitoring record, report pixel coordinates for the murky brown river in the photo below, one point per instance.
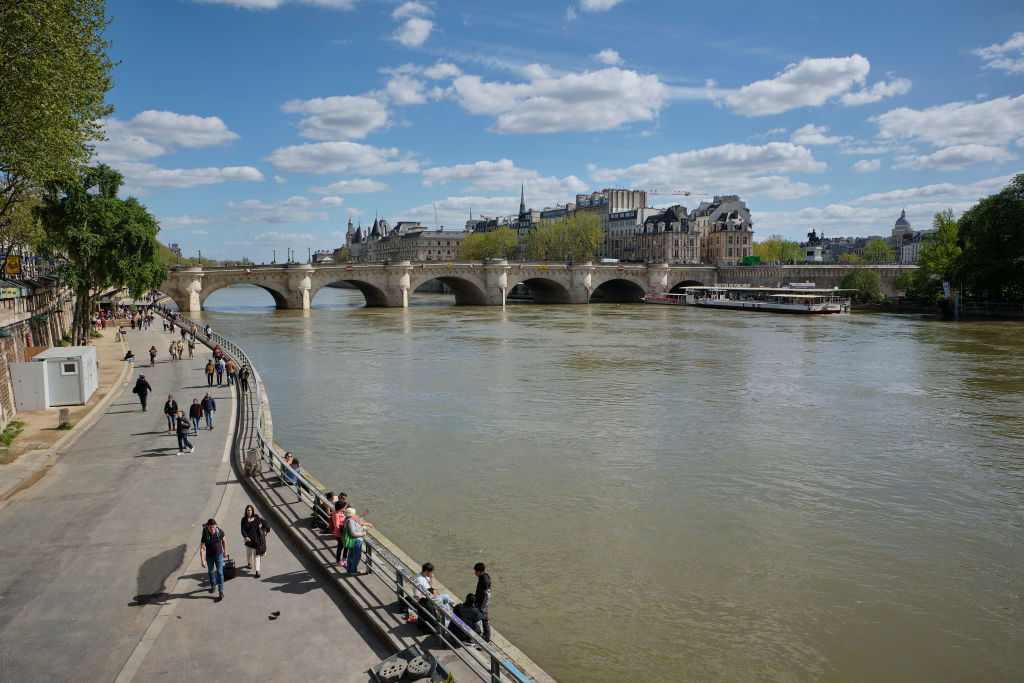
(667, 493)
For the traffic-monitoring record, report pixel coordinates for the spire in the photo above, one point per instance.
(522, 199)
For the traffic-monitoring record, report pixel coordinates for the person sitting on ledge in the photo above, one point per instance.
(470, 616)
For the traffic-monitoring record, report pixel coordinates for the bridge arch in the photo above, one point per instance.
(467, 290)
(373, 295)
(544, 290)
(677, 287)
(280, 297)
(618, 290)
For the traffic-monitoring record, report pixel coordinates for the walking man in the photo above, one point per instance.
(212, 549)
(243, 377)
(229, 367)
(183, 425)
(483, 596)
(142, 388)
(171, 411)
(209, 407)
(195, 411)
(210, 369)
(220, 371)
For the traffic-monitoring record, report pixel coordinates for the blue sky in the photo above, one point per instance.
(252, 125)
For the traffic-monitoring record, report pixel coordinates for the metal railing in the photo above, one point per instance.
(485, 660)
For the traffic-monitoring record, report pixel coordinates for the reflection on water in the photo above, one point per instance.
(711, 494)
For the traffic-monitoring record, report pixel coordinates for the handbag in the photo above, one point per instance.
(348, 541)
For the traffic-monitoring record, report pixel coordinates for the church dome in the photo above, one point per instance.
(902, 221)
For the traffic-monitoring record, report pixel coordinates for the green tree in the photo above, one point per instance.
(878, 251)
(849, 257)
(499, 243)
(54, 75)
(102, 241)
(991, 265)
(775, 248)
(867, 282)
(573, 238)
(937, 260)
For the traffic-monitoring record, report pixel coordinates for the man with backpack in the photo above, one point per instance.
(142, 388)
(212, 549)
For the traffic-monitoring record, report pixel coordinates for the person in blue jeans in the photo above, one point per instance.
(171, 412)
(212, 549)
(354, 527)
(183, 425)
(209, 407)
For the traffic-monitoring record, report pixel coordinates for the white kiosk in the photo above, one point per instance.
(61, 376)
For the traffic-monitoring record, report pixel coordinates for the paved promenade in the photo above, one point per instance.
(100, 577)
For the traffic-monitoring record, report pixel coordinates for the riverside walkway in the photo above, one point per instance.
(100, 577)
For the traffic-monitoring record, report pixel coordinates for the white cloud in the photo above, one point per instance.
(187, 221)
(814, 135)
(732, 168)
(955, 157)
(292, 210)
(1008, 56)
(867, 165)
(354, 186)
(404, 89)
(598, 5)
(339, 117)
(453, 212)
(941, 192)
(994, 122)
(199, 233)
(341, 157)
(608, 56)
(807, 84)
(866, 149)
(280, 180)
(416, 28)
(490, 176)
(149, 175)
(154, 133)
(577, 101)
(880, 90)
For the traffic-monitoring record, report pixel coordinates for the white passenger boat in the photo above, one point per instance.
(801, 299)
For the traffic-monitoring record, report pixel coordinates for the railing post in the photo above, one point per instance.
(495, 670)
(369, 557)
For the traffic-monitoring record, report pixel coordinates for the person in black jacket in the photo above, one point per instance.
(142, 388)
(254, 531)
(171, 411)
(183, 425)
(470, 616)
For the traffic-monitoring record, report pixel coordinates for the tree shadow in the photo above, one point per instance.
(294, 583)
(157, 453)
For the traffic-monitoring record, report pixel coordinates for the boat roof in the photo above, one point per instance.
(795, 291)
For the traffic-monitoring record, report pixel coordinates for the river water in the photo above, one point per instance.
(666, 493)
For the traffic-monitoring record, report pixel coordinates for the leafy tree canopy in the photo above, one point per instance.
(868, 284)
(878, 251)
(991, 265)
(573, 238)
(775, 248)
(54, 75)
(499, 243)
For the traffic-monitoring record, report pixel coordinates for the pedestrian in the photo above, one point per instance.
(183, 425)
(212, 549)
(337, 527)
(220, 371)
(210, 369)
(254, 531)
(152, 355)
(483, 596)
(191, 347)
(229, 368)
(243, 378)
(208, 331)
(209, 407)
(173, 350)
(183, 333)
(423, 585)
(217, 353)
(142, 388)
(471, 616)
(130, 357)
(181, 350)
(195, 411)
(355, 531)
(171, 411)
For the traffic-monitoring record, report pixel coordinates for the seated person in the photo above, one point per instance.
(130, 357)
(470, 616)
(422, 586)
(286, 472)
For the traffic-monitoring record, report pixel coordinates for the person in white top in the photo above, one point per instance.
(423, 585)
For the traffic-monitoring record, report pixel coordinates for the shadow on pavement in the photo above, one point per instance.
(158, 452)
(295, 583)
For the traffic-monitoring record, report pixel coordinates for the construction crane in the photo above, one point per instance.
(680, 193)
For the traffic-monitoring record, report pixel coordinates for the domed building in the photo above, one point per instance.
(902, 226)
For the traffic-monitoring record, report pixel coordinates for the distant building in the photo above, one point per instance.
(727, 229)
(668, 237)
(906, 241)
(173, 246)
(407, 241)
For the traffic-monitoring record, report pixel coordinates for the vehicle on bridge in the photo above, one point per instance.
(800, 300)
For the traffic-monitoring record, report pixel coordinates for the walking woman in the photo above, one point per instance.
(152, 356)
(254, 531)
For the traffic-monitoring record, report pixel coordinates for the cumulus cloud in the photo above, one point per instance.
(814, 135)
(149, 175)
(274, 4)
(354, 186)
(1008, 56)
(994, 122)
(576, 101)
(453, 212)
(867, 165)
(955, 157)
(811, 83)
(940, 192)
(598, 5)
(734, 168)
(292, 210)
(415, 28)
(608, 56)
(341, 157)
(338, 118)
(153, 133)
(490, 176)
(187, 221)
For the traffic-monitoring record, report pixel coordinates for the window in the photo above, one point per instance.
(69, 368)
(730, 252)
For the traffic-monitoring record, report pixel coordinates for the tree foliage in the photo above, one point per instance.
(937, 260)
(878, 251)
(849, 257)
(102, 241)
(499, 243)
(54, 75)
(573, 238)
(775, 248)
(868, 284)
(991, 265)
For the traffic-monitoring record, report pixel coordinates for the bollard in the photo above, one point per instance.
(64, 419)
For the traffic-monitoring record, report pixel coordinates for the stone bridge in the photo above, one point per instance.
(488, 283)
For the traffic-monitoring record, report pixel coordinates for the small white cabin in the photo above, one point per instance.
(60, 376)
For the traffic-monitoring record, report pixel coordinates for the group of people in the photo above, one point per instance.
(213, 547)
(472, 612)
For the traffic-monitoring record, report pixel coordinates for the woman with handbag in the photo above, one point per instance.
(254, 531)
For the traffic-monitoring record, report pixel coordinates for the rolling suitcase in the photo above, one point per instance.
(229, 569)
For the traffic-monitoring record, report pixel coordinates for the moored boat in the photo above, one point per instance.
(801, 300)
